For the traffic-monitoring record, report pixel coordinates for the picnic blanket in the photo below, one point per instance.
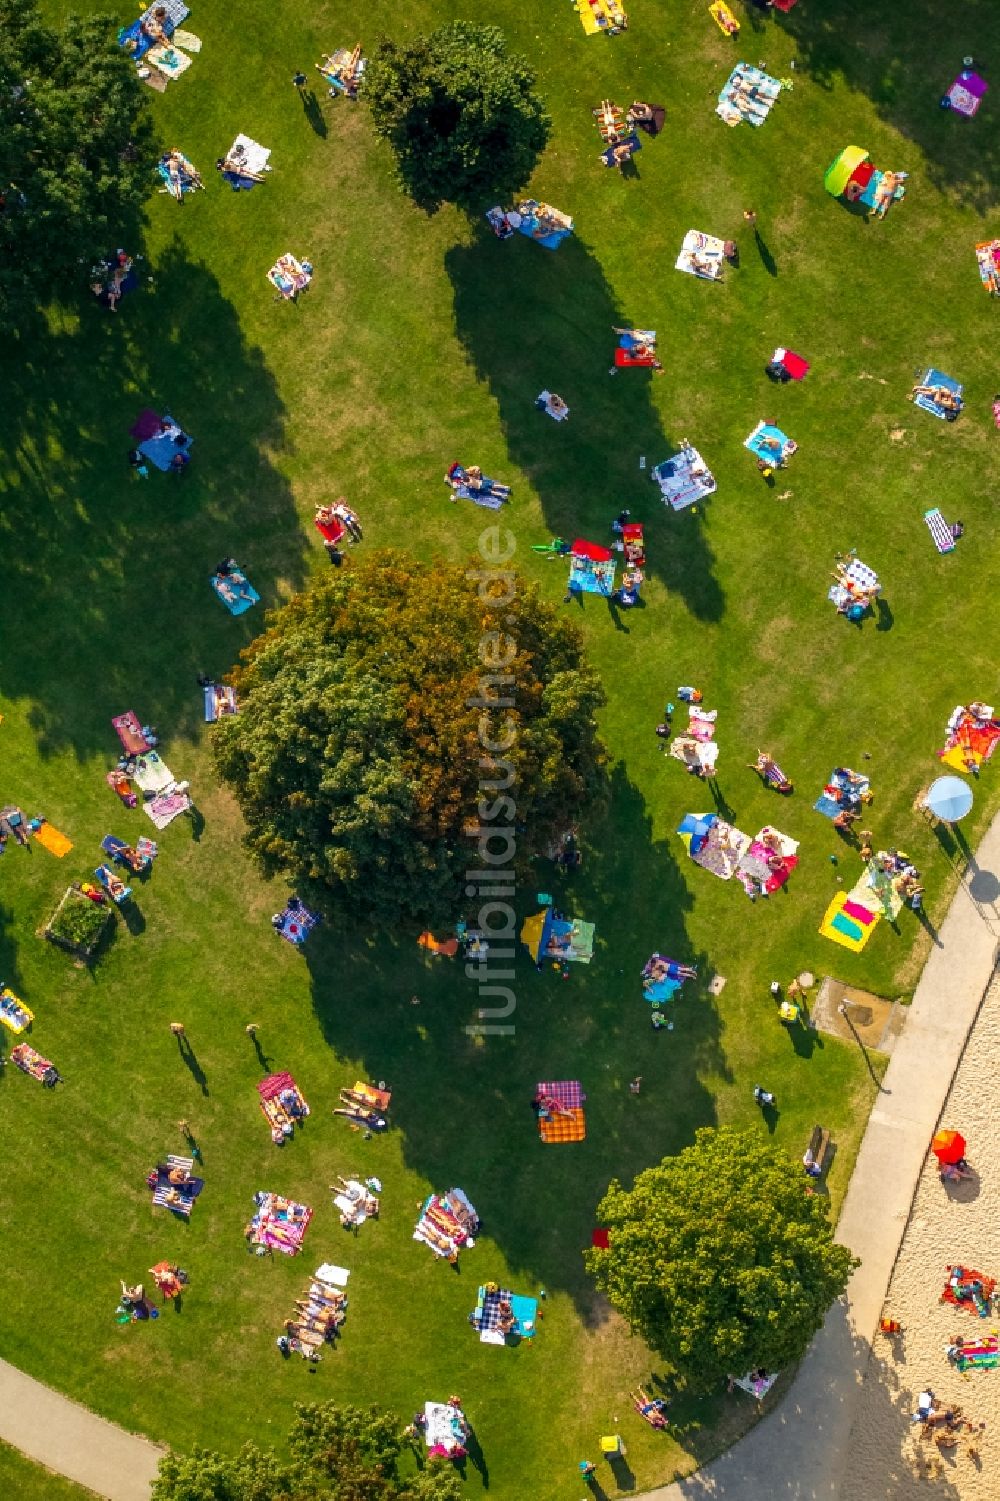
(129, 730)
(14, 1014)
(770, 444)
(170, 61)
(279, 1224)
(969, 1289)
(165, 807)
(447, 1224)
(151, 774)
(632, 141)
(939, 530)
(932, 377)
(296, 922)
(663, 977)
(136, 42)
(235, 590)
(161, 447)
(721, 850)
(283, 1105)
(971, 738)
(289, 276)
(768, 862)
(966, 93)
(249, 154)
(490, 1318)
(600, 16)
(561, 1116)
(445, 1428)
(684, 479)
(179, 1198)
(845, 789)
(702, 255)
(50, 839)
(754, 104)
(849, 922)
(30, 1062)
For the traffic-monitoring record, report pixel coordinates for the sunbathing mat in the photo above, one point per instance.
(187, 40)
(51, 840)
(569, 1127)
(848, 923)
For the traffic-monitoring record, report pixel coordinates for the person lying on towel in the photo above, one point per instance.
(234, 167)
(948, 401)
(155, 26)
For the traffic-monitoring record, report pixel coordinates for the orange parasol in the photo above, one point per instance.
(948, 1146)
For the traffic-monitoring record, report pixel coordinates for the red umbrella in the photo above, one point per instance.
(948, 1146)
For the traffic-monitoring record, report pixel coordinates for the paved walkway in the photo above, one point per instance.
(798, 1452)
(73, 1441)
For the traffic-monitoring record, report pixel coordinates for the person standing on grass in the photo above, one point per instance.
(299, 80)
(750, 216)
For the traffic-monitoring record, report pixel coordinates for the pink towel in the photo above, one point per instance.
(859, 913)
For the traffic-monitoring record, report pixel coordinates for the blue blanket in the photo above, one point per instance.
(936, 378)
(240, 595)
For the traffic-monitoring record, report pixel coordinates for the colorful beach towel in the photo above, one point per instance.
(50, 839)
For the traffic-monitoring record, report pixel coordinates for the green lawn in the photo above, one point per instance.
(424, 340)
(30, 1482)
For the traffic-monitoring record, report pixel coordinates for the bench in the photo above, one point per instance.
(819, 1143)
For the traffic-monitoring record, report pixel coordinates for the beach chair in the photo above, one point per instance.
(124, 854)
(113, 885)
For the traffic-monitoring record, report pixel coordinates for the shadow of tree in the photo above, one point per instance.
(463, 1104)
(830, 1428)
(127, 560)
(894, 46)
(530, 319)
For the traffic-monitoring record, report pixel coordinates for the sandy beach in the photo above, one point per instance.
(950, 1223)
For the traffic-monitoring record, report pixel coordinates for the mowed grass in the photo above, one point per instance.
(424, 340)
(30, 1482)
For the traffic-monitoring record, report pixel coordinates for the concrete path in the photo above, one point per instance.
(73, 1441)
(798, 1452)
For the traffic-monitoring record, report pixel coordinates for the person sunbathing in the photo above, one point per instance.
(941, 396)
(237, 168)
(556, 405)
(180, 173)
(179, 1177)
(154, 26)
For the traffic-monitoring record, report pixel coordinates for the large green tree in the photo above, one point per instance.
(337, 1454)
(460, 114)
(75, 153)
(401, 721)
(721, 1258)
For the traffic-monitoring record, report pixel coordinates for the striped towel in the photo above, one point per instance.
(939, 530)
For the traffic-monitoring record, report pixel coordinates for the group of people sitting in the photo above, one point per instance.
(471, 480)
(900, 868)
(231, 583)
(945, 1425)
(317, 1320)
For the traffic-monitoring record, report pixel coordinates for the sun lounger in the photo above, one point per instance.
(29, 1062)
(14, 1014)
(113, 884)
(124, 854)
(939, 530)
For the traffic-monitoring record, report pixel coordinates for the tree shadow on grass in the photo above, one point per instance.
(462, 1103)
(106, 576)
(896, 59)
(530, 320)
